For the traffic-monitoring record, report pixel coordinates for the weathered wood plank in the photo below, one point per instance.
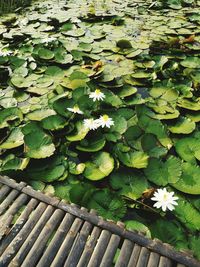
(165, 262)
(134, 256)
(8, 200)
(31, 239)
(99, 249)
(38, 247)
(67, 243)
(89, 247)
(78, 246)
(19, 202)
(4, 191)
(125, 254)
(16, 243)
(153, 259)
(56, 242)
(143, 257)
(110, 251)
(18, 225)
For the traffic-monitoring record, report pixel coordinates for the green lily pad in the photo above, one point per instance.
(54, 122)
(189, 182)
(162, 173)
(79, 133)
(93, 144)
(183, 126)
(40, 114)
(191, 62)
(45, 53)
(188, 149)
(128, 183)
(38, 144)
(137, 159)
(99, 167)
(15, 139)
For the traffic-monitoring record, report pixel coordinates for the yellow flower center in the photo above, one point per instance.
(76, 109)
(105, 117)
(97, 91)
(165, 197)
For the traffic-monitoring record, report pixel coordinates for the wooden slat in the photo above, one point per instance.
(18, 225)
(125, 254)
(16, 205)
(56, 242)
(67, 244)
(4, 225)
(153, 260)
(8, 200)
(38, 247)
(78, 246)
(4, 191)
(165, 262)
(143, 257)
(16, 243)
(134, 256)
(110, 251)
(31, 239)
(89, 247)
(100, 248)
(180, 265)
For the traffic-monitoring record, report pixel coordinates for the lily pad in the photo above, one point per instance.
(99, 167)
(189, 182)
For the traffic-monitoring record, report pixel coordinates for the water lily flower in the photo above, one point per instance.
(75, 109)
(105, 121)
(164, 199)
(91, 124)
(97, 95)
(5, 53)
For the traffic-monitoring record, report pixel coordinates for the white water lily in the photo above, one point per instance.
(75, 109)
(164, 199)
(97, 95)
(5, 53)
(91, 124)
(105, 121)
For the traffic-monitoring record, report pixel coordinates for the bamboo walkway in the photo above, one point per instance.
(39, 230)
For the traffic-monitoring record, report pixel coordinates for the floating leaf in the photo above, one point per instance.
(47, 170)
(15, 139)
(189, 181)
(45, 53)
(99, 167)
(187, 214)
(93, 144)
(40, 114)
(128, 183)
(79, 133)
(54, 122)
(162, 173)
(137, 159)
(108, 205)
(191, 62)
(38, 144)
(183, 126)
(188, 149)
